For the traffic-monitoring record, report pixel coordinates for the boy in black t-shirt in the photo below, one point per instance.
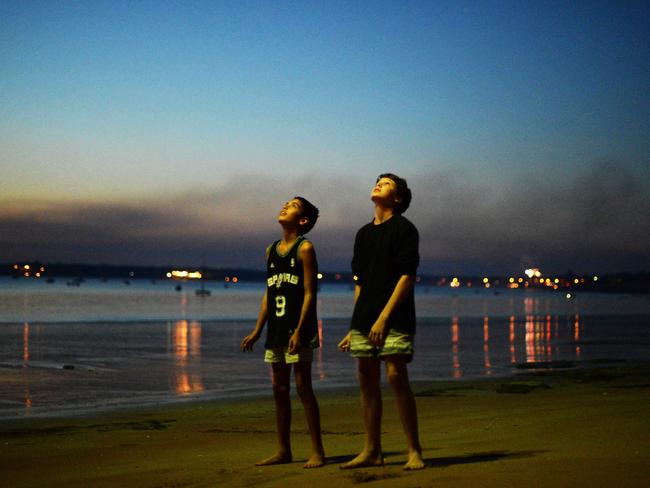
(383, 322)
(289, 306)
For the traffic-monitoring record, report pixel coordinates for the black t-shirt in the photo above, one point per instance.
(285, 295)
(382, 254)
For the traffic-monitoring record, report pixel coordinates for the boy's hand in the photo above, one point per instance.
(344, 345)
(249, 340)
(378, 332)
(294, 343)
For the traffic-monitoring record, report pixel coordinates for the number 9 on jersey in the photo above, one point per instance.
(280, 305)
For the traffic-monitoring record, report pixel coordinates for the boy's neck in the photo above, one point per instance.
(289, 235)
(382, 214)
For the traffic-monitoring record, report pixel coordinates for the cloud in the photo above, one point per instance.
(595, 220)
(229, 225)
(598, 217)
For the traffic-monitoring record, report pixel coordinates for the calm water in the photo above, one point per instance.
(105, 345)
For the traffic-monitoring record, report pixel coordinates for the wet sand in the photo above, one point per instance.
(566, 427)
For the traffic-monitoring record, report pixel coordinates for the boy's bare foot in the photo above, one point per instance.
(316, 460)
(275, 459)
(364, 460)
(414, 462)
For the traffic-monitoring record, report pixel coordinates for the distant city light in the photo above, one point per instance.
(183, 274)
(319, 276)
(533, 272)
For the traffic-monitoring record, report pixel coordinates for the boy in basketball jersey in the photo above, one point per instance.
(385, 261)
(289, 307)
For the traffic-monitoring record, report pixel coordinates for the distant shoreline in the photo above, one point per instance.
(614, 282)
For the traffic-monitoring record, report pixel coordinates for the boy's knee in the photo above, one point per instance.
(369, 383)
(280, 388)
(397, 378)
(368, 371)
(392, 376)
(303, 388)
(301, 384)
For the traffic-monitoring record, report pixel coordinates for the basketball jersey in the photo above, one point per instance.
(285, 295)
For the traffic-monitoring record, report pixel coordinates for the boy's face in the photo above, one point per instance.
(385, 193)
(291, 213)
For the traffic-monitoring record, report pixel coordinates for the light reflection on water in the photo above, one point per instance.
(58, 366)
(186, 346)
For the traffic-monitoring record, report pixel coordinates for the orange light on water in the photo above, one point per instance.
(454, 349)
(26, 342)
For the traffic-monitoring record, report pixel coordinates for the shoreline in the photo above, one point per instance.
(563, 427)
(79, 412)
(442, 317)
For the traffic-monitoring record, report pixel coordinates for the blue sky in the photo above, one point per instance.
(171, 132)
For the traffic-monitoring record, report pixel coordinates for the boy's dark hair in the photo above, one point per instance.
(309, 211)
(403, 192)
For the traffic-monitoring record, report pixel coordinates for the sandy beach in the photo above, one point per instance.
(561, 427)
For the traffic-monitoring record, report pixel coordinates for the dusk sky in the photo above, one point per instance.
(170, 133)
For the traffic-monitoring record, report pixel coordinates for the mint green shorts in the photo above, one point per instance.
(281, 355)
(396, 343)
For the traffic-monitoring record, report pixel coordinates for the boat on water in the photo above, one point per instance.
(202, 292)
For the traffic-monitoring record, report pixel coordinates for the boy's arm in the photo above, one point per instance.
(344, 345)
(250, 339)
(308, 258)
(378, 332)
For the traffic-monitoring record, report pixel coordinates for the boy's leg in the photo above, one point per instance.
(397, 374)
(369, 376)
(302, 370)
(281, 395)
